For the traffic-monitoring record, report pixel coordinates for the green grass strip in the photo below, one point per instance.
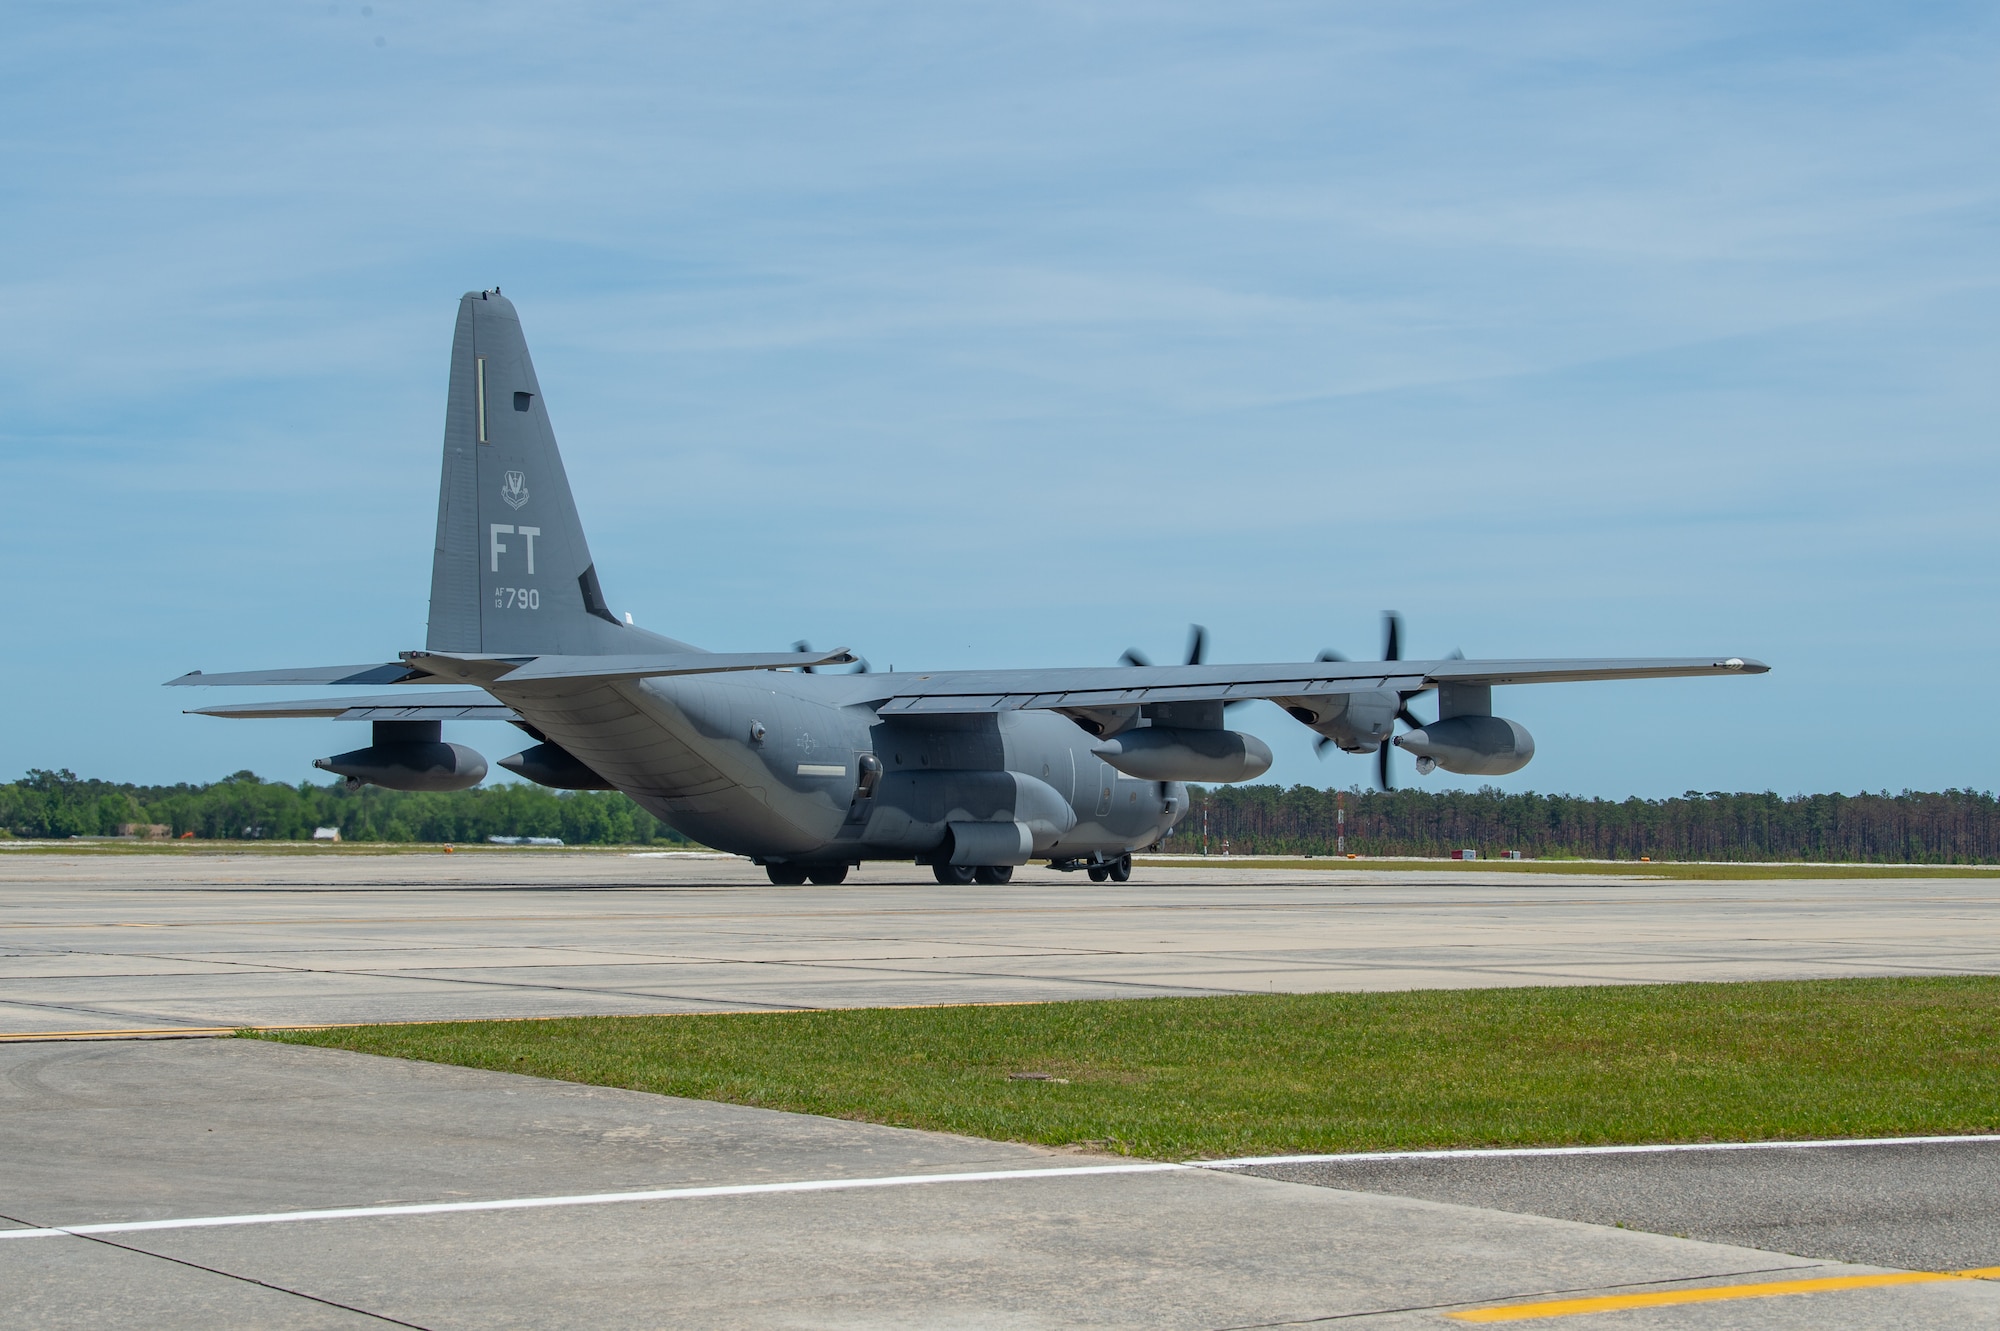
(1176, 1078)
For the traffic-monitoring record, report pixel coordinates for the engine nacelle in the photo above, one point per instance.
(1472, 745)
(1356, 722)
(554, 766)
(1166, 753)
(409, 755)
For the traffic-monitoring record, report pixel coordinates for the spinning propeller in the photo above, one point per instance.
(1197, 648)
(860, 663)
(1392, 650)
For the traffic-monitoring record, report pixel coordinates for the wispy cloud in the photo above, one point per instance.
(1561, 327)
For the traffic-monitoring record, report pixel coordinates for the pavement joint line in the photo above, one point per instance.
(586, 1199)
(1666, 1298)
(1520, 1152)
(247, 1280)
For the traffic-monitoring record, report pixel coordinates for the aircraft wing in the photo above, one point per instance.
(963, 691)
(457, 705)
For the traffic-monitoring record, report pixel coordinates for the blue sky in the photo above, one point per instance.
(1004, 334)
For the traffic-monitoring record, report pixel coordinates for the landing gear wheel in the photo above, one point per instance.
(1098, 873)
(1120, 869)
(832, 875)
(996, 875)
(953, 875)
(786, 875)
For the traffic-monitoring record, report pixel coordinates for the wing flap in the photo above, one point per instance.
(459, 705)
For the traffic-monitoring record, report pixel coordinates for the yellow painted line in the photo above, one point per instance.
(1666, 1298)
(134, 1033)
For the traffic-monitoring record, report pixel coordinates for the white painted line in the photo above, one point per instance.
(1515, 1152)
(588, 1199)
(909, 1180)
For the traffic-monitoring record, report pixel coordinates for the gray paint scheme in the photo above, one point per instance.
(746, 753)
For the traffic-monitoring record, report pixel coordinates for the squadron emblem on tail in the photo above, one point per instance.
(515, 491)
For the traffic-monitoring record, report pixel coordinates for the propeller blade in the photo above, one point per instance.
(803, 646)
(861, 666)
(1328, 654)
(1197, 644)
(1404, 715)
(1392, 636)
(1382, 767)
(1134, 657)
(1455, 654)
(1321, 745)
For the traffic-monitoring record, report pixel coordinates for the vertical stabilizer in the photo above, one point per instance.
(512, 571)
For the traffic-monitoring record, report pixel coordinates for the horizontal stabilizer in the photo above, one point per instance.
(390, 672)
(496, 670)
(457, 705)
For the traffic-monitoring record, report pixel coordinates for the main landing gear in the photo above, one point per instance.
(964, 875)
(1117, 871)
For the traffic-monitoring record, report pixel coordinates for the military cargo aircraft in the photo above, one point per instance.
(808, 772)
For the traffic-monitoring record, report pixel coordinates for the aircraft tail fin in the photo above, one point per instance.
(512, 572)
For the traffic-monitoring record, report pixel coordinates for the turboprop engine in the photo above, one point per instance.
(1170, 753)
(1471, 745)
(1355, 722)
(409, 755)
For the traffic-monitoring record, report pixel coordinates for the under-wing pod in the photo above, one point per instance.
(554, 766)
(1472, 745)
(1169, 753)
(409, 755)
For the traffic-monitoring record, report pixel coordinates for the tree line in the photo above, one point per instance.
(1915, 827)
(244, 808)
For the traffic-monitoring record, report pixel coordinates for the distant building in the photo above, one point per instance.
(326, 834)
(150, 831)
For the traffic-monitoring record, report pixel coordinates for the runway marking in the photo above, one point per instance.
(1665, 1298)
(135, 1033)
(588, 1199)
(1514, 1152)
(910, 1180)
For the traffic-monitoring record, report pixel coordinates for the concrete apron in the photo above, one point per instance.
(117, 1132)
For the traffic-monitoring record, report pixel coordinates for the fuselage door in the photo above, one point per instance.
(1106, 779)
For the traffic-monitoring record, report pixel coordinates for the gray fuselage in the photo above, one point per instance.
(777, 765)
